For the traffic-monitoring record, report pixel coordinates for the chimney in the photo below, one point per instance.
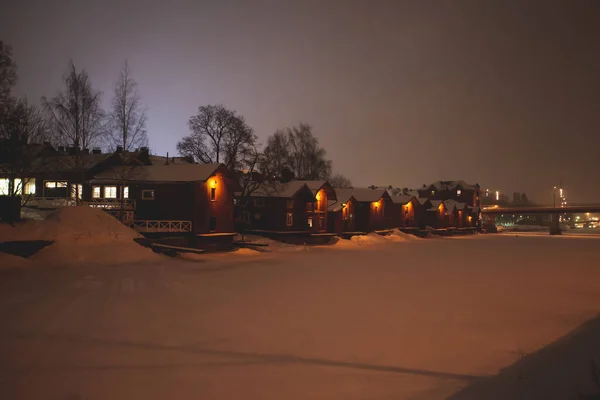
(145, 156)
(96, 150)
(167, 161)
(119, 149)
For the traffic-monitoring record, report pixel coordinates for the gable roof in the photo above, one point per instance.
(315, 186)
(435, 204)
(402, 199)
(161, 173)
(362, 195)
(343, 197)
(278, 189)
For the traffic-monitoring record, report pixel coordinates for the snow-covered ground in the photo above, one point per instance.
(371, 318)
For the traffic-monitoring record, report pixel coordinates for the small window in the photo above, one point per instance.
(4, 184)
(458, 192)
(110, 192)
(147, 194)
(259, 202)
(213, 224)
(30, 186)
(310, 222)
(290, 203)
(289, 219)
(51, 185)
(126, 192)
(61, 184)
(95, 192)
(213, 194)
(433, 192)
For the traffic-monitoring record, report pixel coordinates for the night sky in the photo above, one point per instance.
(505, 94)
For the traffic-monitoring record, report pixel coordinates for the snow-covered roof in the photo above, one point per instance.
(361, 194)
(343, 197)
(158, 160)
(402, 199)
(435, 204)
(422, 200)
(160, 173)
(278, 189)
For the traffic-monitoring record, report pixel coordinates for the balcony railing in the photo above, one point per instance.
(48, 202)
(125, 216)
(162, 226)
(127, 204)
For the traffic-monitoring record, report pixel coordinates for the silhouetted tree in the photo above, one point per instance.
(298, 150)
(8, 72)
(340, 181)
(20, 124)
(75, 115)
(127, 118)
(76, 118)
(218, 135)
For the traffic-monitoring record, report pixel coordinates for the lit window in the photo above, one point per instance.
(17, 186)
(310, 222)
(95, 192)
(433, 192)
(289, 219)
(76, 190)
(61, 184)
(4, 187)
(290, 203)
(458, 192)
(30, 186)
(147, 194)
(213, 194)
(51, 185)
(110, 192)
(126, 192)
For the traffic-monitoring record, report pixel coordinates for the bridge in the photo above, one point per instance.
(552, 210)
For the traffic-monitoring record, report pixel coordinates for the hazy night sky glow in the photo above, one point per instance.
(502, 93)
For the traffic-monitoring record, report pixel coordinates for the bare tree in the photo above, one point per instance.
(76, 119)
(298, 150)
(249, 180)
(75, 115)
(127, 129)
(127, 119)
(20, 124)
(340, 181)
(218, 135)
(276, 156)
(8, 72)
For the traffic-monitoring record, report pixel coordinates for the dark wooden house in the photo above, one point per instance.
(405, 210)
(196, 198)
(374, 208)
(293, 207)
(341, 213)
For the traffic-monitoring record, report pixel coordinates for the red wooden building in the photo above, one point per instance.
(405, 210)
(293, 207)
(374, 209)
(196, 198)
(342, 213)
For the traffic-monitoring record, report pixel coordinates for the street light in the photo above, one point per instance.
(554, 197)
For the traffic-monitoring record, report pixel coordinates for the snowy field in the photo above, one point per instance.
(482, 317)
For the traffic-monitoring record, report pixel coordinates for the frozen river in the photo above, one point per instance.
(484, 317)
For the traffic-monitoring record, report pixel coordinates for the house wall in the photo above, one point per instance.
(221, 208)
(343, 220)
(172, 201)
(319, 214)
(408, 217)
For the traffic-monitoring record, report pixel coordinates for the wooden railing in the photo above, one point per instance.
(48, 202)
(125, 216)
(127, 204)
(162, 226)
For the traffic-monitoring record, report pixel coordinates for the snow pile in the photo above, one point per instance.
(8, 261)
(398, 235)
(81, 236)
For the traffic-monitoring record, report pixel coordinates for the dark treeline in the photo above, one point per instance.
(74, 118)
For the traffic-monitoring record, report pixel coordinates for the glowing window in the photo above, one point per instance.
(4, 187)
(289, 219)
(126, 192)
(458, 192)
(110, 192)
(51, 185)
(61, 184)
(213, 194)
(310, 222)
(147, 194)
(95, 192)
(30, 186)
